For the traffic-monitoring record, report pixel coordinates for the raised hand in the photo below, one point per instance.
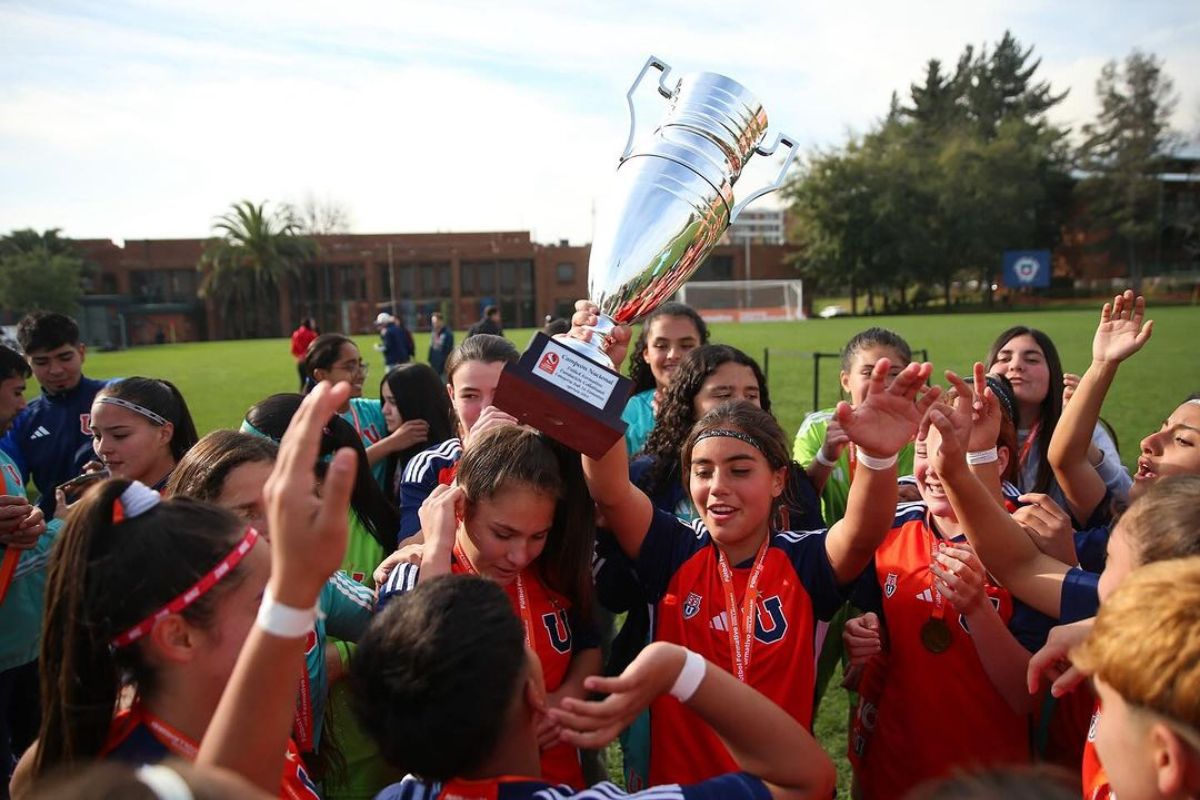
(960, 577)
(414, 431)
(308, 531)
(950, 454)
(863, 638)
(835, 441)
(1121, 332)
(1070, 384)
(984, 407)
(889, 415)
(586, 315)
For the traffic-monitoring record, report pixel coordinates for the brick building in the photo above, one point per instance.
(146, 290)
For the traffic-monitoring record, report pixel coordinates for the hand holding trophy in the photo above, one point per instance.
(672, 201)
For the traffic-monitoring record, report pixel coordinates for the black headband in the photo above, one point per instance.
(735, 434)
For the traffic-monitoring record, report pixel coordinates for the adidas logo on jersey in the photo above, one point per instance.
(720, 622)
(39, 433)
(925, 596)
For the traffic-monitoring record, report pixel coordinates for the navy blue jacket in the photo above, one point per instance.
(398, 347)
(52, 438)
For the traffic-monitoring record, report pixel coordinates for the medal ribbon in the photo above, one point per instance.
(741, 620)
(303, 723)
(850, 448)
(522, 596)
(1028, 445)
(938, 600)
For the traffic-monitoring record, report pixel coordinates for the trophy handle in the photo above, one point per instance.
(651, 62)
(794, 148)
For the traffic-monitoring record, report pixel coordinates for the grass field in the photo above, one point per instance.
(222, 379)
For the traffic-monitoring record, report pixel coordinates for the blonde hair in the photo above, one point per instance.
(1146, 641)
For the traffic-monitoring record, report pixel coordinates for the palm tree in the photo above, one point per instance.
(245, 265)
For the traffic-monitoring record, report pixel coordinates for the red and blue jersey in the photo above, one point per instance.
(136, 737)
(934, 712)
(422, 474)
(558, 633)
(736, 786)
(677, 567)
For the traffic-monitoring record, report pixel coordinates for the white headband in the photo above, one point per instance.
(157, 419)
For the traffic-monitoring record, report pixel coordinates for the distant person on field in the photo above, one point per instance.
(302, 337)
(488, 323)
(51, 439)
(441, 342)
(395, 340)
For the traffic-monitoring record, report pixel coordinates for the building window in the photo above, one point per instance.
(565, 273)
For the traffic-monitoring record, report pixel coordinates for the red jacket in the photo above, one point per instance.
(302, 337)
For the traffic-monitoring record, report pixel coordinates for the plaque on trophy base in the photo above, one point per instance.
(565, 395)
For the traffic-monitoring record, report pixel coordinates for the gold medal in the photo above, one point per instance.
(936, 636)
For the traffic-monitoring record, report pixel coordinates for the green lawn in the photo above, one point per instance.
(222, 379)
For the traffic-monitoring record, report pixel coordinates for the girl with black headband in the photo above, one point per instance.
(141, 427)
(731, 586)
(939, 632)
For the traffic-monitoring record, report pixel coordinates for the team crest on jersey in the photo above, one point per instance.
(85, 424)
(558, 630)
(889, 586)
(770, 624)
(691, 606)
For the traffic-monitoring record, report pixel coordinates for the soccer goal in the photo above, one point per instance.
(745, 301)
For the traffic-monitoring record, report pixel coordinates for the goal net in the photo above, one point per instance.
(745, 301)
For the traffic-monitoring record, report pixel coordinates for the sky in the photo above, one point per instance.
(133, 119)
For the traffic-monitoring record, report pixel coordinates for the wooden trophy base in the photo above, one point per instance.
(565, 395)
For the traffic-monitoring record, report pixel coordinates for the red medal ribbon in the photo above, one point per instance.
(522, 597)
(741, 619)
(302, 725)
(938, 600)
(1028, 445)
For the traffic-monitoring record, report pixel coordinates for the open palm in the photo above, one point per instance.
(887, 418)
(1121, 332)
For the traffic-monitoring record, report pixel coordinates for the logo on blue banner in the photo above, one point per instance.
(1026, 268)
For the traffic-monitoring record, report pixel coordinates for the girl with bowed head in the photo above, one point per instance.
(519, 513)
(730, 586)
(141, 427)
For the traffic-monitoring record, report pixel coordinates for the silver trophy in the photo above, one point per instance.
(673, 197)
(672, 201)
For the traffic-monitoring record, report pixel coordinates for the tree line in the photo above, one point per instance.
(967, 165)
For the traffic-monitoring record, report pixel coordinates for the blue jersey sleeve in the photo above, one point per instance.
(1091, 548)
(669, 543)
(403, 579)
(348, 607)
(584, 632)
(1029, 626)
(865, 592)
(806, 550)
(11, 444)
(419, 480)
(617, 586)
(734, 786)
(1080, 597)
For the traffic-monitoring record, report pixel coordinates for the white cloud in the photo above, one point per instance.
(145, 119)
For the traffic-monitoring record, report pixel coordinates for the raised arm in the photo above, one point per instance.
(1121, 333)
(763, 739)
(882, 424)
(250, 729)
(625, 508)
(1001, 544)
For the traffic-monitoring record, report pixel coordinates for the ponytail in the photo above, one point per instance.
(105, 577)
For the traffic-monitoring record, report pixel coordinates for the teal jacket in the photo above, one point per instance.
(21, 612)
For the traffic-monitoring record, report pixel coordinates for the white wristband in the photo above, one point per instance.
(822, 460)
(870, 462)
(978, 457)
(284, 621)
(690, 677)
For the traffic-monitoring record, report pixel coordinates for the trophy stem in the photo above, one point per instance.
(594, 347)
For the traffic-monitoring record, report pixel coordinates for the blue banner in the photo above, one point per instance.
(1024, 268)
